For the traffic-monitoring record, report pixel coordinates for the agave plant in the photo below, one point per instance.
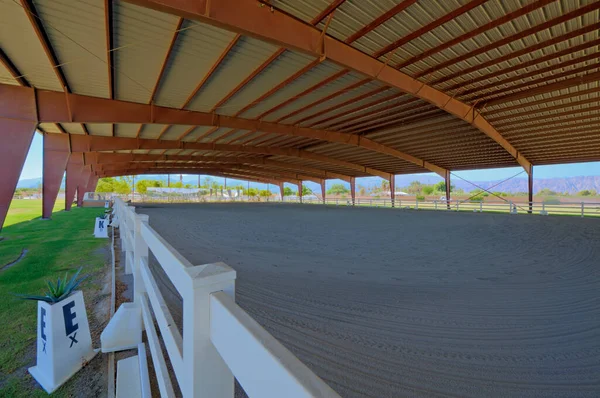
(103, 215)
(59, 291)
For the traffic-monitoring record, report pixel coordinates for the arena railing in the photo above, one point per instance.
(220, 341)
(550, 207)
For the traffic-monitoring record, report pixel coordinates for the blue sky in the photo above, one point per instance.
(33, 168)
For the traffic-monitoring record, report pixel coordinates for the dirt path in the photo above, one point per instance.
(388, 303)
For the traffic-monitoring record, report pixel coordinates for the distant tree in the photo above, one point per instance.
(306, 190)
(415, 188)
(427, 190)
(547, 192)
(106, 184)
(587, 192)
(123, 185)
(252, 192)
(362, 191)
(142, 186)
(265, 193)
(338, 189)
(441, 187)
(287, 191)
(177, 184)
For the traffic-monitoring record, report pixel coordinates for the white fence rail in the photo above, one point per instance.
(550, 207)
(220, 340)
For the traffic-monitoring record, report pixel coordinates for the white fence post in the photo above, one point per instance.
(205, 372)
(140, 251)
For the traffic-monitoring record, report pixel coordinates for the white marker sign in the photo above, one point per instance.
(101, 228)
(106, 204)
(64, 344)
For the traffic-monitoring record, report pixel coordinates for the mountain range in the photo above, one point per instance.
(571, 185)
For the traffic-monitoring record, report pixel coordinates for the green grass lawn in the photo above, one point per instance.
(55, 246)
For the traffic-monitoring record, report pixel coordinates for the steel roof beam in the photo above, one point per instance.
(56, 107)
(111, 158)
(275, 26)
(82, 143)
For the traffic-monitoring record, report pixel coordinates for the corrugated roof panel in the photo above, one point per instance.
(231, 137)
(306, 10)
(6, 77)
(196, 50)
(411, 19)
(82, 56)
(532, 19)
(364, 112)
(103, 129)
(352, 16)
(151, 130)
(126, 130)
(279, 70)
(73, 128)
(50, 128)
(350, 110)
(310, 78)
(24, 49)
(141, 38)
(215, 134)
(241, 61)
(196, 133)
(345, 96)
(330, 88)
(460, 25)
(175, 131)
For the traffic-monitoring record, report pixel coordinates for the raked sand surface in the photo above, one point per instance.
(404, 303)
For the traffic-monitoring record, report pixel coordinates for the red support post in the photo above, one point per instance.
(16, 136)
(300, 191)
(353, 189)
(74, 175)
(530, 186)
(448, 189)
(281, 189)
(323, 190)
(393, 189)
(55, 157)
(82, 185)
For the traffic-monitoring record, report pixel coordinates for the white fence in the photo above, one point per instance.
(220, 340)
(550, 207)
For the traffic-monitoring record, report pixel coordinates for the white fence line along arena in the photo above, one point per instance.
(220, 340)
(582, 209)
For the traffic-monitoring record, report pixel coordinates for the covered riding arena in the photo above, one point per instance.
(393, 303)
(377, 302)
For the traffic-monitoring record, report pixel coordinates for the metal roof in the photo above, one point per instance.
(530, 68)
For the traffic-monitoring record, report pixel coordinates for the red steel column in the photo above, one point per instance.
(323, 190)
(82, 184)
(530, 186)
(16, 136)
(281, 189)
(393, 189)
(300, 191)
(448, 189)
(74, 175)
(56, 156)
(353, 189)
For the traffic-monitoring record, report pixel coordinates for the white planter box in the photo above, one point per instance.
(64, 343)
